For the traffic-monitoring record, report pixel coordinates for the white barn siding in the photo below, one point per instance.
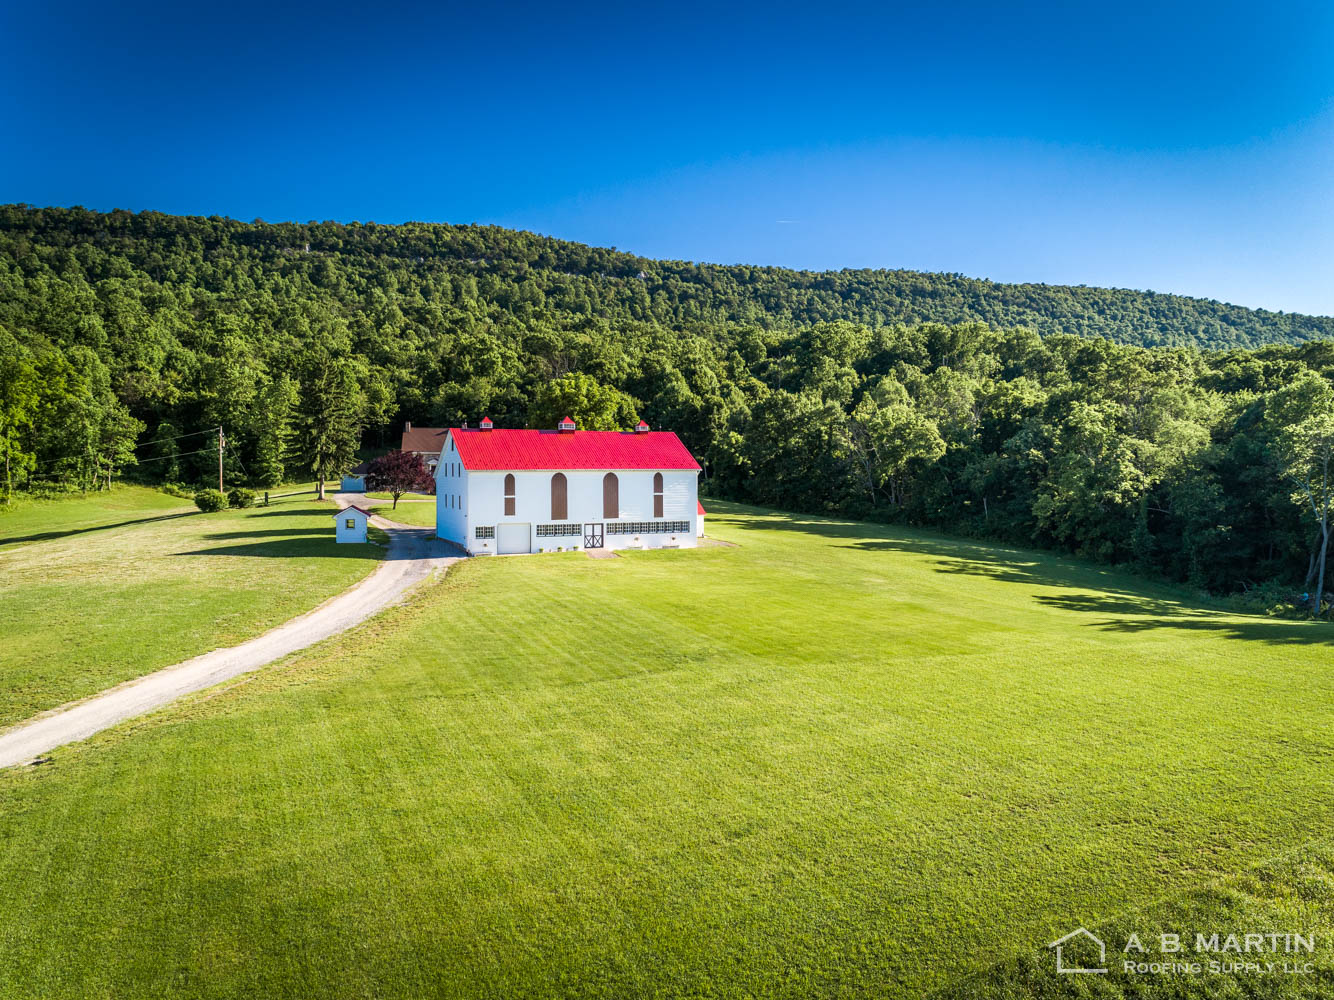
(451, 498)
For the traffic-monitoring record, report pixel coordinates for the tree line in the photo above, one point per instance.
(1005, 412)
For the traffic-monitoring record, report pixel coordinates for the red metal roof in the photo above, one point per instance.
(502, 450)
(699, 507)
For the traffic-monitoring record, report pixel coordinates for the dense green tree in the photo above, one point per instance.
(164, 453)
(590, 404)
(888, 438)
(18, 406)
(1304, 414)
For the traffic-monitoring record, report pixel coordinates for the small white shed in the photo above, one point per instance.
(699, 519)
(351, 525)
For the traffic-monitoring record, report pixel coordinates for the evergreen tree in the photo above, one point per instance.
(274, 423)
(326, 423)
(590, 404)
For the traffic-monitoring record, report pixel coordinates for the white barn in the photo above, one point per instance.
(510, 491)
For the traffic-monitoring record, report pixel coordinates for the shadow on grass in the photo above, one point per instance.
(1133, 607)
(1245, 627)
(309, 512)
(301, 544)
(218, 536)
(47, 536)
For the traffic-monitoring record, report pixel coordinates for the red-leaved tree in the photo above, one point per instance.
(397, 473)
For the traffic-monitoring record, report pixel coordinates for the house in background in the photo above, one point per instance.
(508, 491)
(354, 479)
(424, 441)
(351, 524)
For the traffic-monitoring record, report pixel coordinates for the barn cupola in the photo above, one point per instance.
(566, 426)
(641, 427)
(486, 424)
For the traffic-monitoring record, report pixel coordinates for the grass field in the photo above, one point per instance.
(44, 520)
(407, 496)
(98, 590)
(408, 512)
(834, 760)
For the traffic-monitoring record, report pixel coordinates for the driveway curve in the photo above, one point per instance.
(414, 554)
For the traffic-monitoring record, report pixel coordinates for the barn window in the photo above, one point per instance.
(611, 495)
(559, 530)
(657, 494)
(559, 493)
(647, 527)
(509, 494)
(350, 523)
(485, 531)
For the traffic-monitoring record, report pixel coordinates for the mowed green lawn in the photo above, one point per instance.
(98, 590)
(408, 512)
(834, 760)
(44, 520)
(406, 496)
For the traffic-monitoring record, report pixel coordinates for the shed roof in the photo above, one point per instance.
(352, 506)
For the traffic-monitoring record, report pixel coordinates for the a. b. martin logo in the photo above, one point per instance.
(1081, 940)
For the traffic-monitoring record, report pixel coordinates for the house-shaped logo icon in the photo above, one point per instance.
(1081, 940)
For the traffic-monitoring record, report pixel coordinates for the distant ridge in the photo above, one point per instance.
(528, 275)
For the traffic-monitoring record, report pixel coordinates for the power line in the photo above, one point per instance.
(165, 458)
(211, 430)
(76, 458)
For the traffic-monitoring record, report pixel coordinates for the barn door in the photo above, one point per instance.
(592, 536)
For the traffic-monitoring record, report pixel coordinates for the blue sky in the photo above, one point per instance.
(1185, 148)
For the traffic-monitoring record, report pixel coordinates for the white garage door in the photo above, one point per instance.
(511, 538)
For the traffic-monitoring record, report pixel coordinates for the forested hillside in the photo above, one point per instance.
(987, 409)
(535, 277)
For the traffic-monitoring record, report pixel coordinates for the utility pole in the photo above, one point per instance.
(221, 442)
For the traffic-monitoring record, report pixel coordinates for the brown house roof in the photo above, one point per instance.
(424, 439)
